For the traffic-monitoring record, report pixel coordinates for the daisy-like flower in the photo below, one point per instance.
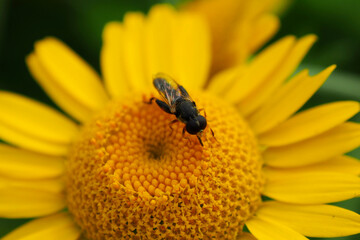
(121, 172)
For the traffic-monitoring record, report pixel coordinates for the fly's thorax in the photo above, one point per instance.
(185, 110)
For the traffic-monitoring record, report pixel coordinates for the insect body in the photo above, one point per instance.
(178, 102)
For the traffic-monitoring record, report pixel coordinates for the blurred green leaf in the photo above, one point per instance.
(3, 18)
(7, 225)
(340, 84)
(336, 23)
(91, 16)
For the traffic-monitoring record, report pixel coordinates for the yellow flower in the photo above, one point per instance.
(123, 173)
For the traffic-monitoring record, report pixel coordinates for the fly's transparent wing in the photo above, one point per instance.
(168, 88)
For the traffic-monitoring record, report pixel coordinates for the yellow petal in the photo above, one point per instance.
(64, 99)
(233, 25)
(170, 46)
(312, 220)
(269, 230)
(263, 92)
(59, 226)
(160, 38)
(53, 185)
(112, 62)
(13, 136)
(260, 68)
(35, 119)
(221, 17)
(192, 58)
(22, 164)
(222, 81)
(34, 126)
(287, 100)
(311, 187)
(26, 199)
(334, 142)
(339, 164)
(344, 164)
(134, 51)
(249, 35)
(163, 42)
(70, 73)
(262, 30)
(310, 123)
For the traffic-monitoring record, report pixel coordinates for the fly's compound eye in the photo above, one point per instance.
(196, 125)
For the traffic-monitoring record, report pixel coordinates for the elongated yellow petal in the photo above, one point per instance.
(35, 119)
(310, 123)
(112, 60)
(221, 17)
(248, 35)
(312, 220)
(263, 92)
(262, 66)
(344, 164)
(163, 42)
(53, 185)
(263, 29)
(13, 136)
(334, 142)
(64, 99)
(59, 226)
(134, 51)
(174, 51)
(236, 28)
(22, 164)
(311, 187)
(34, 126)
(339, 164)
(264, 229)
(160, 39)
(286, 101)
(192, 58)
(70, 74)
(219, 84)
(24, 199)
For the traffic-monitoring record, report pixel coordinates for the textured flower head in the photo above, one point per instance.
(123, 173)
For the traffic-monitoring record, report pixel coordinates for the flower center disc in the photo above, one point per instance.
(132, 176)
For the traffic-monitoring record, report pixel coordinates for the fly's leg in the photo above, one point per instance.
(198, 137)
(200, 141)
(202, 109)
(213, 134)
(183, 134)
(150, 101)
(163, 105)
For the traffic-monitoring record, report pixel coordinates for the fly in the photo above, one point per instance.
(177, 101)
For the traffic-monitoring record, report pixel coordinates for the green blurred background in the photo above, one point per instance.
(79, 24)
